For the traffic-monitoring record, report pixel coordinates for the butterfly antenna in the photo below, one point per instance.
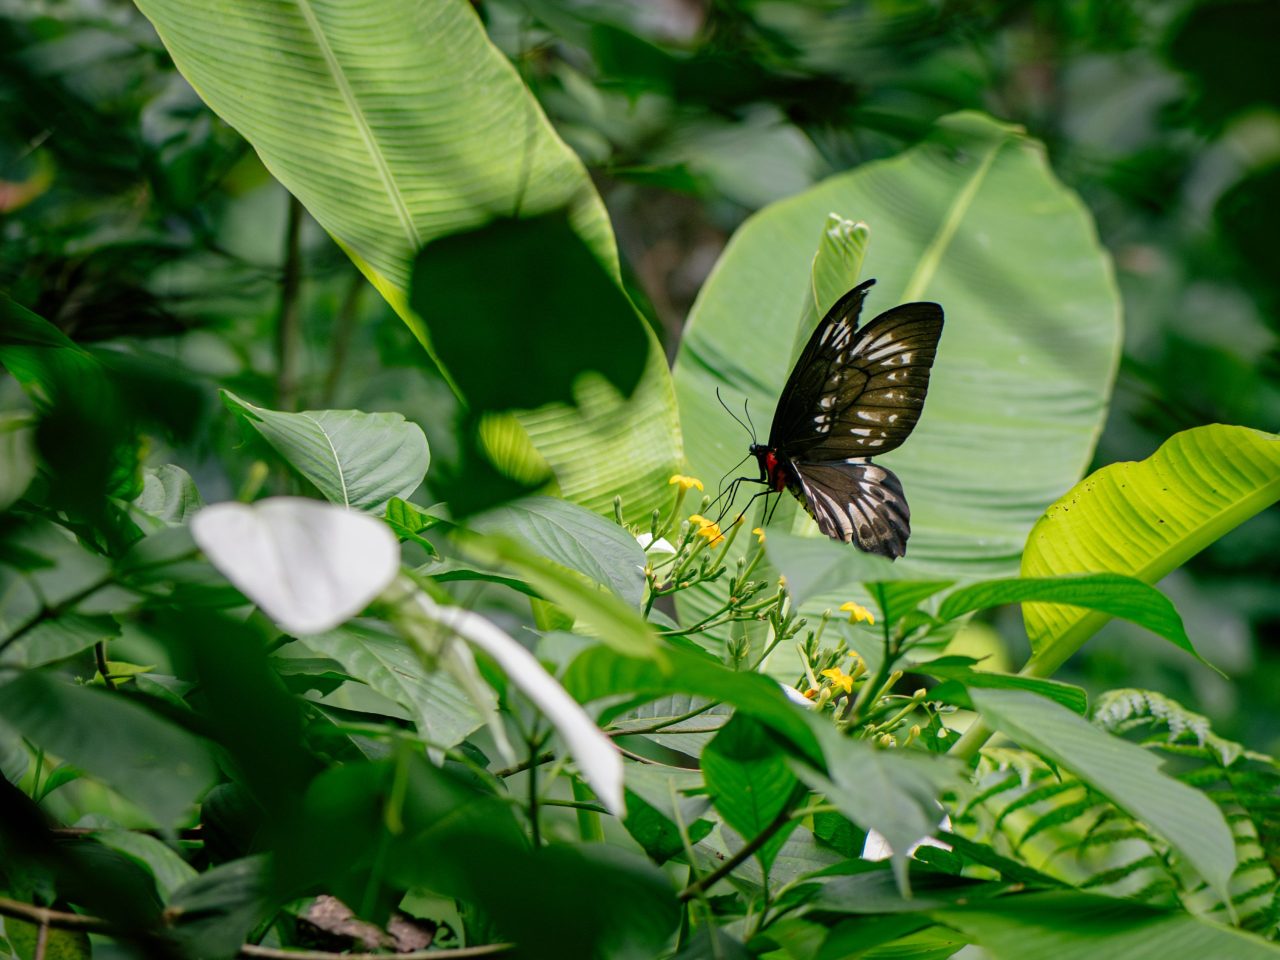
(747, 410)
(735, 416)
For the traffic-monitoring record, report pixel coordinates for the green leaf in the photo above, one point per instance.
(168, 868)
(974, 219)
(442, 712)
(834, 272)
(1126, 774)
(816, 566)
(750, 782)
(598, 612)
(169, 496)
(575, 538)
(960, 670)
(381, 118)
(216, 911)
(355, 459)
(17, 457)
(58, 639)
(1077, 926)
(522, 343)
(601, 672)
(1144, 520)
(155, 764)
(1111, 594)
(894, 792)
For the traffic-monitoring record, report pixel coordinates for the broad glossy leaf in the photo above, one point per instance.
(381, 117)
(974, 219)
(750, 781)
(521, 343)
(355, 459)
(443, 713)
(894, 792)
(157, 765)
(309, 565)
(575, 538)
(167, 867)
(1146, 519)
(1078, 926)
(1125, 773)
(1112, 595)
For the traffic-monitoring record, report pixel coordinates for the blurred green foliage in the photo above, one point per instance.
(149, 233)
(135, 219)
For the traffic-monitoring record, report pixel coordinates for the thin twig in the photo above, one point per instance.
(754, 844)
(63, 920)
(288, 326)
(344, 325)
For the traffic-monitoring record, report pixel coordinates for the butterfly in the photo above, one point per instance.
(852, 395)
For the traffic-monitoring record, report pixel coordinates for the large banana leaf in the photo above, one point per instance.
(974, 219)
(396, 122)
(1145, 519)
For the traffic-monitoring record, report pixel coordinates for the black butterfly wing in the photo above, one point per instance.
(858, 394)
(858, 502)
(829, 340)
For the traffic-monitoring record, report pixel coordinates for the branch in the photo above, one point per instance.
(63, 920)
(755, 843)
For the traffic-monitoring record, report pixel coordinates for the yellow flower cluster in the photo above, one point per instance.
(708, 528)
(857, 612)
(684, 483)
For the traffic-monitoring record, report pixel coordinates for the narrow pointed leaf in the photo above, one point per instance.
(1123, 772)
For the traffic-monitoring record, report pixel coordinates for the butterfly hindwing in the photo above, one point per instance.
(858, 394)
(858, 502)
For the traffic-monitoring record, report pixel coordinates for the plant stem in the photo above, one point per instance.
(344, 326)
(100, 658)
(288, 326)
(754, 844)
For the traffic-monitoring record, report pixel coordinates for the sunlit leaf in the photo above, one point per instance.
(355, 459)
(1146, 519)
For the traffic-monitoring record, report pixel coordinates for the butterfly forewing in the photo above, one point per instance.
(857, 394)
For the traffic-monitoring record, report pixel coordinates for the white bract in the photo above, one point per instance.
(598, 759)
(309, 565)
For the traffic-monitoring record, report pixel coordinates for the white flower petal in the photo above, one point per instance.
(309, 565)
(795, 696)
(597, 758)
(649, 545)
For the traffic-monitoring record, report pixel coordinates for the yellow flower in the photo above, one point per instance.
(857, 612)
(685, 482)
(839, 679)
(708, 528)
(759, 532)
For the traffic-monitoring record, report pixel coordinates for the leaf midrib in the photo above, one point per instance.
(362, 124)
(337, 461)
(933, 253)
